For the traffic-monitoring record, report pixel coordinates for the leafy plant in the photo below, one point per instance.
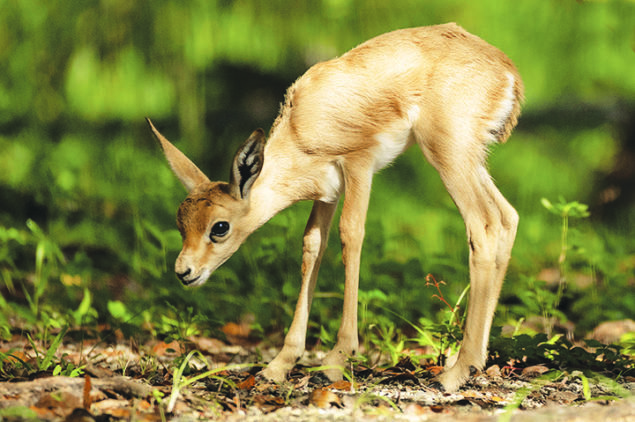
(180, 325)
(525, 350)
(448, 333)
(48, 256)
(44, 362)
(537, 299)
(19, 413)
(565, 210)
(68, 369)
(180, 381)
(84, 312)
(8, 238)
(387, 340)
(12, 364)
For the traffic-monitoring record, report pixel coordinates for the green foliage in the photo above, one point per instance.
(22, 413)
(87, 229)
(385, 339)
(43, 363)
(11, 364)
(181, 381)
(447, 333)
(529, 350)
(182, 326)
(566, 209)
(627, 342)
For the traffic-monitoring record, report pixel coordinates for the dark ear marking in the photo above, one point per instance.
(248, 162)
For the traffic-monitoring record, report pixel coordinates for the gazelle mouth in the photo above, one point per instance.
(190, 282)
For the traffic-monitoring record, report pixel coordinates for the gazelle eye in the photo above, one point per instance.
(220, 229)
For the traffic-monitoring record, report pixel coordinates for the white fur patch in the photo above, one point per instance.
(333, 182)
(395, 140)
(504, 109)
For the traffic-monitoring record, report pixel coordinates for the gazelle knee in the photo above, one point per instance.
(311, 248)
(312, 242)
(482, 239)
(509, 220)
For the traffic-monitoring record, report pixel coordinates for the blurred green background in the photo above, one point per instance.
(88, 203)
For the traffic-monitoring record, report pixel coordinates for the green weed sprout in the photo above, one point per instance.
(565, 210)
(179, 381)
(43, 363)
(449, 331)
(47, 257)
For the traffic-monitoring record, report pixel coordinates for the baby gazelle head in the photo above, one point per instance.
(212, 219)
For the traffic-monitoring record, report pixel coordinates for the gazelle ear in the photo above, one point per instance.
(183, 168)
(247, 164)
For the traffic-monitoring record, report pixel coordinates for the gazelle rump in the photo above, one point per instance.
(439, 87)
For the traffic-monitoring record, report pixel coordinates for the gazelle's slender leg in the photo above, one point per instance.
(491, 226)
(439, 86)
(352, 229)
(314, 244)
(509, 222)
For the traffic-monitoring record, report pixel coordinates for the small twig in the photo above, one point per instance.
(439, 296)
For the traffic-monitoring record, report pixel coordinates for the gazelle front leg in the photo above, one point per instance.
(352, 222)
(314, 244)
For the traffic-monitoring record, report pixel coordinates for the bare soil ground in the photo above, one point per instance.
(147, 390)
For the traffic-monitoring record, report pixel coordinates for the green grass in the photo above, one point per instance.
(125, 226)
(87, 232)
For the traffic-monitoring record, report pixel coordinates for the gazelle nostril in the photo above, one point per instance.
(184, 274)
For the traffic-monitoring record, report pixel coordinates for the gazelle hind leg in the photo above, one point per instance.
(314, 244)
(491, 226)
(509, 222)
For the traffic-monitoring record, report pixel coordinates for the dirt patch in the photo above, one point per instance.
(160, 381)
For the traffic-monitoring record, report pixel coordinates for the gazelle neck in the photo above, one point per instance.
(271, 192)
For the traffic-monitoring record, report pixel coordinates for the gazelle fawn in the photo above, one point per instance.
(438, 87)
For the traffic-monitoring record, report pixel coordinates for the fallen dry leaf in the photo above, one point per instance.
(302, 381)
(144, 405)
(167, 349)
(535, 370)
(62, 399)
(268, 403)
(43, 413)
(493, 371)
(323, 398)
(435, 370)
(247, 384)
(341, 385)
(437, 408)
(266, 386)
(209, 345)
(118, 412)
(14, 356)
(231, 329)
